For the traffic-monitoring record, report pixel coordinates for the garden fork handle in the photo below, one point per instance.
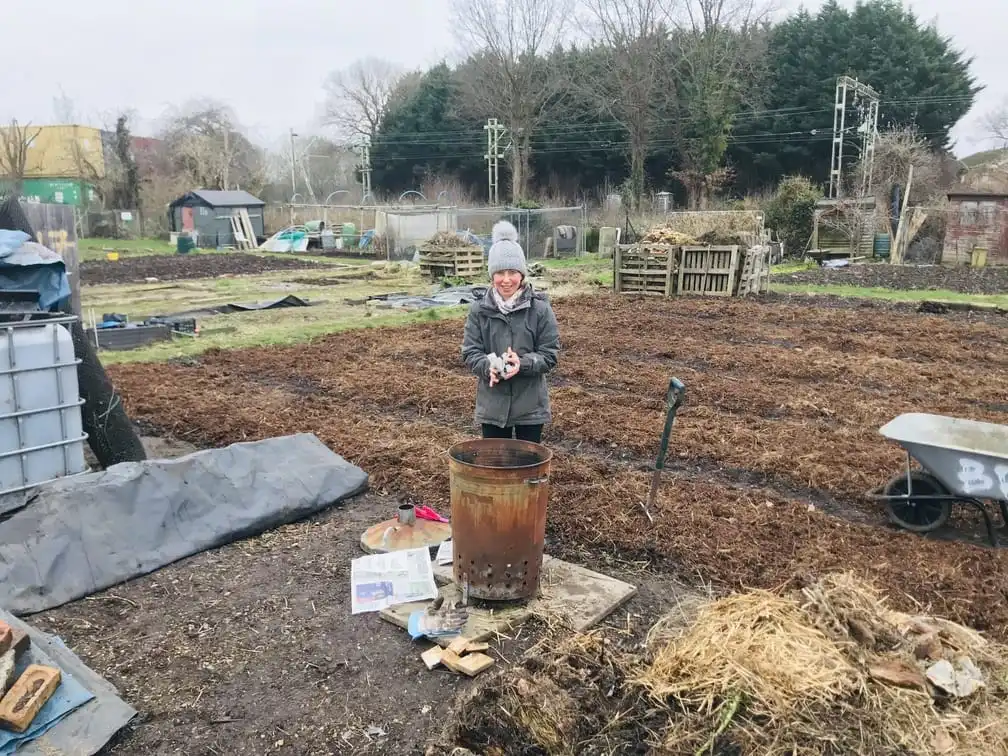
(674, 399)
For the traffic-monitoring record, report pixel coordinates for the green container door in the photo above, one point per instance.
(881, 245)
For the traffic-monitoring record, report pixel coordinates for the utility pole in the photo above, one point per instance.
(495, 131)
(365, 153)
(293, 162)
(227, 158)
(867, 100)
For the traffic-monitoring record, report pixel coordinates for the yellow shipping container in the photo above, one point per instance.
(65, 152)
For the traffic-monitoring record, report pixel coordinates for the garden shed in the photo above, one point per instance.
(977, 229)
(209, 212)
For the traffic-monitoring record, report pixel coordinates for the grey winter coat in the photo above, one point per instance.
(531, 331)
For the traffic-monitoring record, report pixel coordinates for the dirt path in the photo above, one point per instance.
(179, 267)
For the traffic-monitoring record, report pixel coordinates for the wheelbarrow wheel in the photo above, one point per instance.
(918, 515)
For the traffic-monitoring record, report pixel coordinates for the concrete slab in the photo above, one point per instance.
(568, 593)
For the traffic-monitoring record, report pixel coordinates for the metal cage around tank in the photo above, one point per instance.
(41, 428)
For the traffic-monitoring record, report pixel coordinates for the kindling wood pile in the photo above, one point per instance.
(448, 255)
(717, 254)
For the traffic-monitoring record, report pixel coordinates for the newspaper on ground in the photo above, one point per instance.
(378, 581)
(444, 553)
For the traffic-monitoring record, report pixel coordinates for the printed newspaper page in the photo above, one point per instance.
(378, 581)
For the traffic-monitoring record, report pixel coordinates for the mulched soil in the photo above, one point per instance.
(784, 405)
(992, 280)
(179, 267)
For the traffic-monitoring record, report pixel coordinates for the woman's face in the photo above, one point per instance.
(507, 282)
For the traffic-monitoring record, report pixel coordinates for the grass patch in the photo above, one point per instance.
(919, 295)
(787, 268)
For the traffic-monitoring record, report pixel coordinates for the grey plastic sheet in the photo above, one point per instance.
(84, 534)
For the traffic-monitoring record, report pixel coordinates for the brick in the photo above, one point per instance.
(21, 641)
(473, 646)
(29, 694)
(459, 645)
(432, 656)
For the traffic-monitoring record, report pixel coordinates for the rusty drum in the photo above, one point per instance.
(499, 490)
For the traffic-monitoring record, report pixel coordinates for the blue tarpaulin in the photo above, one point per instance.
(25, 265)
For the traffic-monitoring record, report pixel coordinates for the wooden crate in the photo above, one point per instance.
(645, 269)
(709, 271)
(452, 262)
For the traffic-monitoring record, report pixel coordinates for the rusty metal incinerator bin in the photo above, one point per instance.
(499, 491)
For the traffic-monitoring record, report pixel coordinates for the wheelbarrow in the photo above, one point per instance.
(961, 462)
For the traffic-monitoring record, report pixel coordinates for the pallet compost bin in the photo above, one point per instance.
(710, 270)
(41, 432)
(452, 262)
(645, 269)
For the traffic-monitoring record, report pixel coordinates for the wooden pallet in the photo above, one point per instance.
(755, 278)
(645, 269)
(709, 271)
(455, 262)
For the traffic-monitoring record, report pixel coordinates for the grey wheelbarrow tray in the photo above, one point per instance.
(963, 461)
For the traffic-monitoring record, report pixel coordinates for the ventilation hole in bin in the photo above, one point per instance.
(507, 586)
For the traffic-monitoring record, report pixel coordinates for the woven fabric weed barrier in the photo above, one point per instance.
(828, 669)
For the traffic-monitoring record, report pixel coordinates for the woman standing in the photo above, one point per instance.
(511, 342)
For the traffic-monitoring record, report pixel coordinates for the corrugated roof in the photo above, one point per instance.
(216, 198)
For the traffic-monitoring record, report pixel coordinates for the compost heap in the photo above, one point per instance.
(446, 240)
(828, 669)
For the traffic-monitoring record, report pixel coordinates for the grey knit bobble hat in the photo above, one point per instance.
(505, 252)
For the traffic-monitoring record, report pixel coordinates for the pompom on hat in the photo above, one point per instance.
(505, 251)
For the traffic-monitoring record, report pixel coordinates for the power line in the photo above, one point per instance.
(438, 137)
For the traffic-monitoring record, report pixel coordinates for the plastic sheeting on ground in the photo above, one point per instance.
(83, 534)
(84, 713)
(450, 297)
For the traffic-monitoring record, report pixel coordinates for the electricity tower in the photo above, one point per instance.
(866, 100)
(494, 154)
(365, 156)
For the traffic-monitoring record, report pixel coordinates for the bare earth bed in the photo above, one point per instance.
(253, 644)
(180, 267)
(963, 279)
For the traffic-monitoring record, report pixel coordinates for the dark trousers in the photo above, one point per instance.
(531, 433)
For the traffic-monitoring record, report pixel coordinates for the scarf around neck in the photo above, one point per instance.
(508, 305)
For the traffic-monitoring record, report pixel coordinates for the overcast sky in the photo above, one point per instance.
(268, 59)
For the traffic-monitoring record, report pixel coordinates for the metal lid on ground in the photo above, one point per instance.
(404, 531)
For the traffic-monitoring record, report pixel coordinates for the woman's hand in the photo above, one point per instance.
(494, 378)
(513, 362)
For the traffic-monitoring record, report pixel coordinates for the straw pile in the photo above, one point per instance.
(827, 670)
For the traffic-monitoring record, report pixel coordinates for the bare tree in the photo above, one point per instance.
(996, 124)
(718, 56)
(631, 84)
(15, 145)
(357, 97)
(508, 77)
(211, 151)
(895, 151)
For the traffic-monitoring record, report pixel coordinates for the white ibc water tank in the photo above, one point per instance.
(41, 433)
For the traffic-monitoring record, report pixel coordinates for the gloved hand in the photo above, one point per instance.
(437, 621)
